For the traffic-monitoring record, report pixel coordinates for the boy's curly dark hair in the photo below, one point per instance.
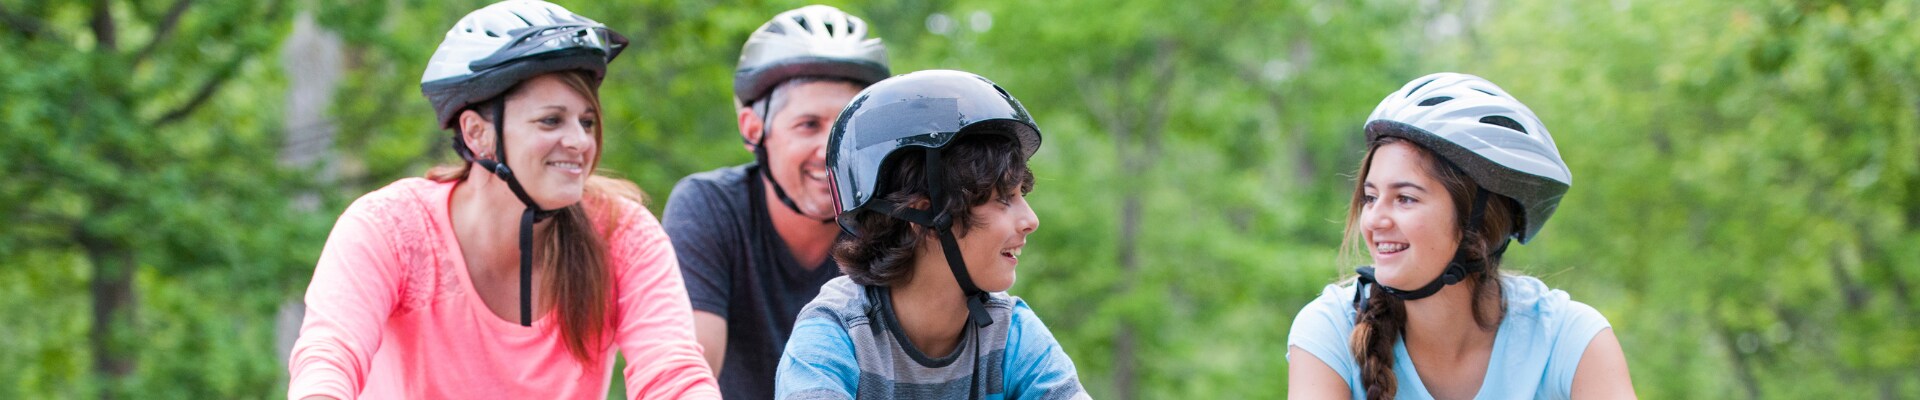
(978, 168)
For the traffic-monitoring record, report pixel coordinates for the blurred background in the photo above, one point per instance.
(1745, 207)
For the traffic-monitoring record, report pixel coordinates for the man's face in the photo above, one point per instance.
(796, 142)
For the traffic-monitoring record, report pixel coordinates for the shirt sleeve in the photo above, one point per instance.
(819, 363)
(1038, 367)
(693, 217)
(1323, 329)
(655, 326)
(1576, 325)
(356, 285)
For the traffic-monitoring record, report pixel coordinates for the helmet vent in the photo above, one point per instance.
(1436, 100)
(1503, 121)
(1484, 91)
(1410, 92)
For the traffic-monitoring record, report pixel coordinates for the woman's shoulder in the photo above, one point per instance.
(617, 206)
(1530, 300)
(1330, 313)
(408, 194)
(402, 208)
(1324, 328)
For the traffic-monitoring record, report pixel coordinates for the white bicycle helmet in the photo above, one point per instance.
(814, 40)
(1480, 128)
(496, 47)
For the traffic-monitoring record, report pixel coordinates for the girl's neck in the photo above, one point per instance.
(1444, 323)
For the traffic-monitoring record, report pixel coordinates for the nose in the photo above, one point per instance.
(819, 154)
(579, 138)
(1373, 219)
(1029, 221)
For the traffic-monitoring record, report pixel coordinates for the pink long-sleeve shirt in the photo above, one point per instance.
(392, 314)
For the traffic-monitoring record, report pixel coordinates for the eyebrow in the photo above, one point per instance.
(564, 108)
(1400, 185)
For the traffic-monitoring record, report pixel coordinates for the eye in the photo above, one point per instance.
(549, 122)
(1367, 199)
(587, 123)
(1406, 200)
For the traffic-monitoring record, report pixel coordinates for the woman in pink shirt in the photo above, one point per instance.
(517, 273)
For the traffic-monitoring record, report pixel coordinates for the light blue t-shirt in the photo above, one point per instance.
(1535, 351)
(847, 345)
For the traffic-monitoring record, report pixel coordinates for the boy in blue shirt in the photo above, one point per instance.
(930, 177)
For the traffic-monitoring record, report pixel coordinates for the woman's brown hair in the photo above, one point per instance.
(1385, 316)
(578, 281)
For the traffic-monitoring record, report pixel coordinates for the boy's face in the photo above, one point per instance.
(992, 247)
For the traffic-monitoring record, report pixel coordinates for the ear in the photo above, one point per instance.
(749, 126)
(478, 133)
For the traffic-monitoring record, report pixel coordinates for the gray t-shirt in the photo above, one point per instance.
(737, 266)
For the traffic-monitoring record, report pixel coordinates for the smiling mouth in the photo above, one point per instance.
(1384, 248)
(818, 173)
(568, 166)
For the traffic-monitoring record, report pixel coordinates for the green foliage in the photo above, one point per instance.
(1746, 198)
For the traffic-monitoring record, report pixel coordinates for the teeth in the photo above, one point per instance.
(565, 164)
(1390, 247)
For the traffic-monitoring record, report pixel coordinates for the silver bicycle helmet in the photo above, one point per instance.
(1480, 128)
(496, 47)
(814, 40)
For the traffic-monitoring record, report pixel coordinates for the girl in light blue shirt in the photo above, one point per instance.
(1455, 169)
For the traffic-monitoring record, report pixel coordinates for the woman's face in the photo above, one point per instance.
(551, 146)
(1407, 218)
(992, 247)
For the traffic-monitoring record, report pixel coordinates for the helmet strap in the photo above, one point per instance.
(532, 214)
(1456, 271)
(936, 217)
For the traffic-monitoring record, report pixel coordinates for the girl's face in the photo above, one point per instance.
(992, 247)
(1407, 218)
(552, 136)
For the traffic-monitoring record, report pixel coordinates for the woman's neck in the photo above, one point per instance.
(931, 310)
(486, 221)
(1444, 324)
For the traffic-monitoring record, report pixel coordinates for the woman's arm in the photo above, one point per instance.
(655, 325)
(1602, 373)
(355, 288)
(1310, 378)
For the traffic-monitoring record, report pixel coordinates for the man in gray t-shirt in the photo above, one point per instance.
(753, 240)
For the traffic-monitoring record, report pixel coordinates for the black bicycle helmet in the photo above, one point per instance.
(917, 115)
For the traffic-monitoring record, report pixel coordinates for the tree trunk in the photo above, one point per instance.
(1125, 373)
(113, 305)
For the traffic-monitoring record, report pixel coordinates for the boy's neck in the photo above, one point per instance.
(931, 310)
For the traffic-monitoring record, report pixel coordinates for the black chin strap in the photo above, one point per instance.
(1456, 270)
(942, 225)
(766, 168)
(527, 219)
